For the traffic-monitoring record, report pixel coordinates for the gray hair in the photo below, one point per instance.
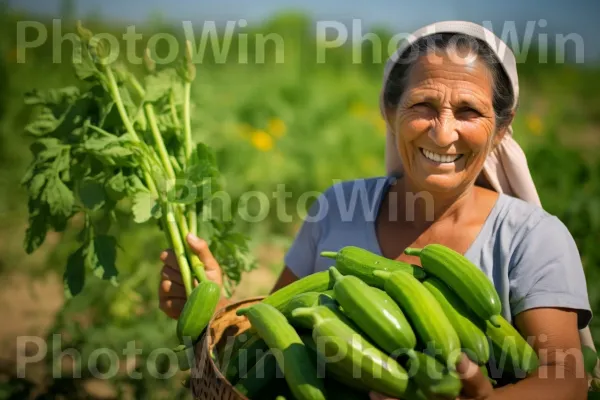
(503, 96)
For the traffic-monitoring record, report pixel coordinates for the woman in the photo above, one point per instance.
(456, 177)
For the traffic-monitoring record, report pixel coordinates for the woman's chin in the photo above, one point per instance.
(441, 183)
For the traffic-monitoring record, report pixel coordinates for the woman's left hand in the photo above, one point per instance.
(476, 386)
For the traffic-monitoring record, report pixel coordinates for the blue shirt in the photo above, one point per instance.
(528, 254)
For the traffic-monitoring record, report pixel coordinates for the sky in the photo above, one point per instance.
(576, 17)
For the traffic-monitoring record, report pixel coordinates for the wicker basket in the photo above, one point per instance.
(206, 381)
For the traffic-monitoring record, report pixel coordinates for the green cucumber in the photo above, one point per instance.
(344, 348)
(197, 311)
(307, 299)
(510, 351)
(331, 370)
(375, 313)
(317, 282)
(425, 314)
(352, 260)
(432, 377)
(473, 341)
(463, 277)
(292, 355)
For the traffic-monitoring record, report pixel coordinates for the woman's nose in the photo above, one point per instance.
(443, 131)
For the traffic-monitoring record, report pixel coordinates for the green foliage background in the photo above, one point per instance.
(299, 123)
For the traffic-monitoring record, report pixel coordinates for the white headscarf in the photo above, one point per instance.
(506, 168)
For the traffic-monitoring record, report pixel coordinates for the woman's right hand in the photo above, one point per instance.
(171, 292)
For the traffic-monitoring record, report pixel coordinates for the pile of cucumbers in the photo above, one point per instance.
(374, 324)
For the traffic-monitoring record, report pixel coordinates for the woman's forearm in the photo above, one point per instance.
(550, 382)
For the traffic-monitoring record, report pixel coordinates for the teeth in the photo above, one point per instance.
(440, 158)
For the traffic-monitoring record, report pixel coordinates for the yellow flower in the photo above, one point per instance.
(276, 127)
(261, 140)
(534, 123)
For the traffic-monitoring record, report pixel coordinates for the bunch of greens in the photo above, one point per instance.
(118, 142)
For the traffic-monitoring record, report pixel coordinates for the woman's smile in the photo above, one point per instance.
(438, 161)
(440, 158)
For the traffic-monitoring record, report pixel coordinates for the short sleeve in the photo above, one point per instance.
(301, 256)
(546, 271)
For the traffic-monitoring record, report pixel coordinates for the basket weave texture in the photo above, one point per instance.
(206, 380)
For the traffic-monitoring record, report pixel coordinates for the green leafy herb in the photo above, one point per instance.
(113, 138)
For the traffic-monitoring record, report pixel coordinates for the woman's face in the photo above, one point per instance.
(445, 123)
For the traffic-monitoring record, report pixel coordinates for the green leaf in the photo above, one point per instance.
(166, 124)
(135, 185)
(63, 161)
(116, 152)
(38, 226)
(111, 150)
(100, 256)
(44, 123)
(116, 187)
(84, 65)
(141, 122)
(160, 84)
(37, 185)
(52, 96)
(100, 143)
(145, 206)
(199, 181)
(29, 174)
(128, 102)
(92, 194)
(59, 197)
(74, 275)
(47, 148)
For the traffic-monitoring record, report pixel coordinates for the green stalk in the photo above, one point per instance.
(187, 120)
(194, 262)
(196, 265)
(179, 248)
(174, 233)
(160, 144)
(114, 90)
(174, 113)
(191, 213)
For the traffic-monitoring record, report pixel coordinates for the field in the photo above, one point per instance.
(296, 124)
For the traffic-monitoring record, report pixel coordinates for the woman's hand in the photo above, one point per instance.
(475, 385)
(171, 292)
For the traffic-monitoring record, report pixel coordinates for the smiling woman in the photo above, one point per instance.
(452, 106)
(457, 178)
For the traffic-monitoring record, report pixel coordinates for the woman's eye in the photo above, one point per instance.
(420, 105)
(469, 111)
